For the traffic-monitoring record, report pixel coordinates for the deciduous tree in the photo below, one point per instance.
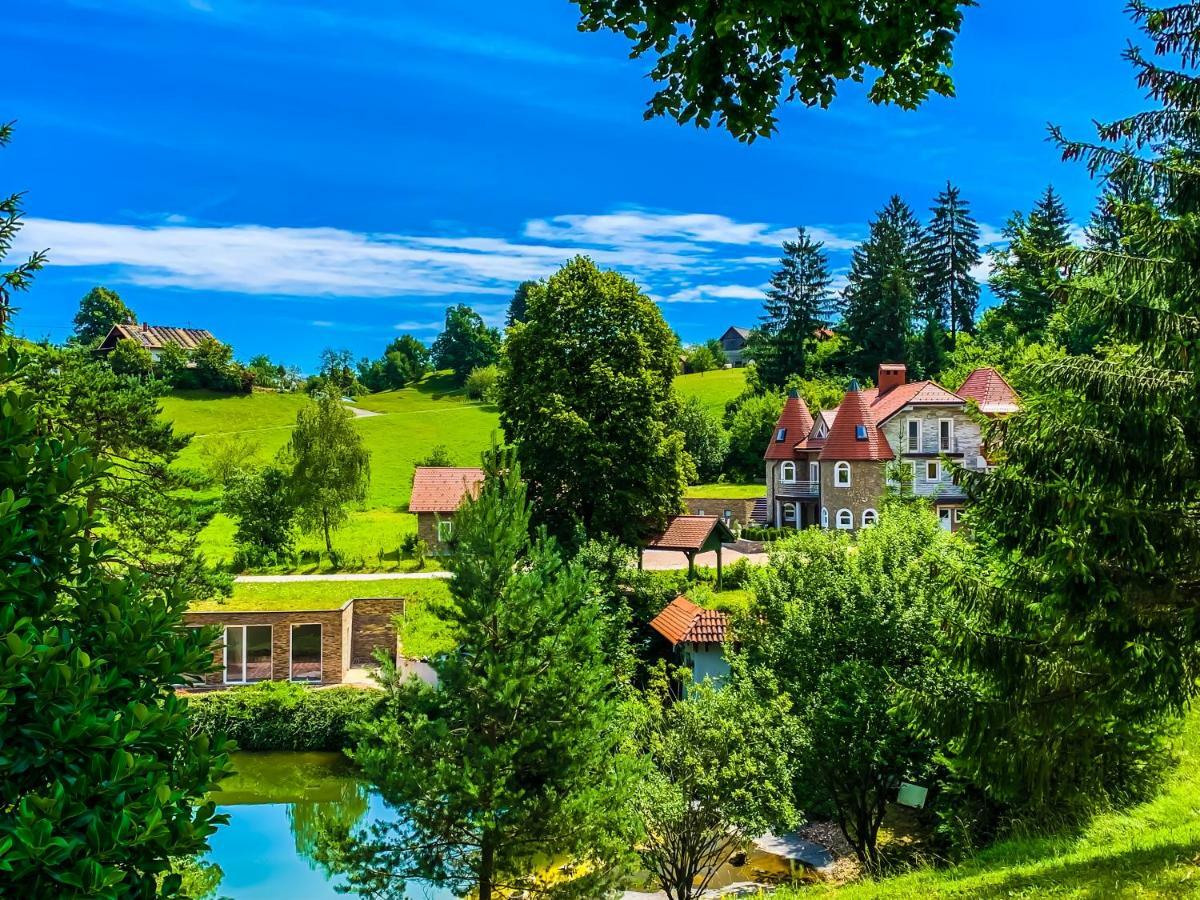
(466, 343)
(99, 310)
(588, 404)
(517, 758)
(261, 503)
(703, 438)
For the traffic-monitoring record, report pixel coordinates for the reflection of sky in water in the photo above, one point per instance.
(257, 852)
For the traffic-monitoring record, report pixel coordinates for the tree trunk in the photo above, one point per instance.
(487, 868)
(325, 527)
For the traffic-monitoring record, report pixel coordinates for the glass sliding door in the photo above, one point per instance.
(306, 653)
(247, 653)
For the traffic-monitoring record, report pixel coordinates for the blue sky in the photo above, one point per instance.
(299, 175)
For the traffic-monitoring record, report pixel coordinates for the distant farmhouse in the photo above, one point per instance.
(437, 493)
(154, 337)
(733, 343)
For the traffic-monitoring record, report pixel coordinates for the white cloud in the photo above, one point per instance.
(711, 293)
(418, 326)
(322, 323)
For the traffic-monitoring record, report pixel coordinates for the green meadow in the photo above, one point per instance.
(407, 425)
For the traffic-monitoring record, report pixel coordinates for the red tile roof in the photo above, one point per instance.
(442, 489)
(855, 413)
(988, 388)
(796, 422)
(683, 622)
(688, 533)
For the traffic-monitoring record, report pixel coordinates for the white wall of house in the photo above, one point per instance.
(708, 662)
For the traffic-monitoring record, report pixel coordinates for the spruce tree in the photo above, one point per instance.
(880, 301)
(951, 252)
(798, 304)
(1028, 273)
(1082, 633)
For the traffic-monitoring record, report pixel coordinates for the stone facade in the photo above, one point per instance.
(349, 635)
(868, 486)
(740, 508)
(427, 530)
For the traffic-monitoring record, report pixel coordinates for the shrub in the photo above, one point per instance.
(481, 383)
(439, 457)
(279, 715)
(420, 551)
(756, 533)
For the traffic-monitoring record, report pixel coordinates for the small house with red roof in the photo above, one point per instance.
(698, 635)
(837, 473)
(437, 493)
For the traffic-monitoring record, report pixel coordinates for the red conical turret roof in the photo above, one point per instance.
(795, 422)
(854, 434)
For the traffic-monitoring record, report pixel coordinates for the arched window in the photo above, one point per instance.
(841, 474)
(787, 472)
(824, 517)
(845, 519)
(790, 510)
(869, 518)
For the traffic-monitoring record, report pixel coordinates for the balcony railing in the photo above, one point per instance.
(797, 488)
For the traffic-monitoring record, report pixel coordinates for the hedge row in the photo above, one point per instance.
(278, 715)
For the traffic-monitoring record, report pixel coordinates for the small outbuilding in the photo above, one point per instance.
(698, 635)
(690, 535)
(437, 493)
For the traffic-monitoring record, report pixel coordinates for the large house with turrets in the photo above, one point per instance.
(833, 470)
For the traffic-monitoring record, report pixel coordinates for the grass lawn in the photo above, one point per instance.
(1149, 851)
(423, 634)
(714, 389)
(727, 491)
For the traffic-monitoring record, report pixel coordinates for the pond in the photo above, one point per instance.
(274, 803)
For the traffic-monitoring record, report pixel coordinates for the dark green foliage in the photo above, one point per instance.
(1081, 634)
(129, 357)
(703, 438)
(881, 298)
(101, 779)
(338, 375)
(329, 466)
(268, 374)
(751, 422)
(950, 292)
(798, 305)
(1027, 272)
(733, 61)
(19, 277)
(840, 626)
(404, 361)
(439, 456)
(754, 533)
(261, 503)
(278, 715)
(516, 758)
(587, 401)
(466, 343)
(208, 366)
(146, 502)
(516, 306)
(99, 310)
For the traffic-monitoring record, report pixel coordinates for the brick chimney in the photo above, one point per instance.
(891, 375)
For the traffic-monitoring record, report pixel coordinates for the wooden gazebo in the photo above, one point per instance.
(690, 535)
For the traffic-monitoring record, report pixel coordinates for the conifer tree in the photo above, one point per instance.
(880, 301)
(798, 304)
(1028, 273)
(1083, 636)
(951, 252)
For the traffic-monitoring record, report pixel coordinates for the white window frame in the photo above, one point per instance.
(936, 465)
(838, 468)
(957, 514)
(848, 519)
(908, 435)
(814, 472)
(225, 652)
(321, 658)
(824, 517)
(784, 477)
(874, 518)
(445, 530)
(949, 446)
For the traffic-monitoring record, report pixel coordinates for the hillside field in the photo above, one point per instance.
(408, 425)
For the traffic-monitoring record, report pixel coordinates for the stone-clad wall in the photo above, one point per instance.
(715, 506)
(866, 491)
(374, 628)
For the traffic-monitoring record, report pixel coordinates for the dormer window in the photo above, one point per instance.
(781, 435)
(860, 432)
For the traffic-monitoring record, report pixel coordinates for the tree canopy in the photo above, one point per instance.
(466, 343)
(799, 305)
(99, 310)
(732, 61)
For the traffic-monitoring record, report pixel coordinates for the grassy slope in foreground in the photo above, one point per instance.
(423, 633)
(1148, 851)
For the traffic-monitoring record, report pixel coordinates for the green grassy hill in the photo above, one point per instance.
(1149, 851)
(409, 424)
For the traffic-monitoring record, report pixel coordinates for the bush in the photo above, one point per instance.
(438, 457)
(756, 533)
(481, 383)
(279, 715)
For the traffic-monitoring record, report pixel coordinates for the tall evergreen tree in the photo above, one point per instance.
(19, 277)
(1027, 274)
(880, 301)
(951, 252)
(1083, 634)
(798, 304)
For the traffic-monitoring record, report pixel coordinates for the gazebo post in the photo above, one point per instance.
(718, 565)
(641, 557)
(691, 565)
